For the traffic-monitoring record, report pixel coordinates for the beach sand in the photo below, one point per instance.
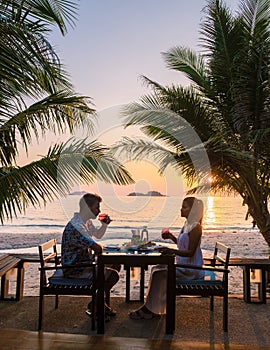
(249, 324)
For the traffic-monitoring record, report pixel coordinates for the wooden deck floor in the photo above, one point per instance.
(27, 340)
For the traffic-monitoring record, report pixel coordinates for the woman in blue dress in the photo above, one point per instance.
(188, 252)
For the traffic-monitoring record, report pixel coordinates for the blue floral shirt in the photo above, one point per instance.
(76, 241)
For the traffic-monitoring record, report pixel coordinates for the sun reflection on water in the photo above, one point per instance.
(209, 215)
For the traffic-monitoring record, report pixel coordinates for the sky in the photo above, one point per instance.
(113, 44)
(116, 41)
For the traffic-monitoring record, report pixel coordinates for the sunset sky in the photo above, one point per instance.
(113, 43)
(116, 41)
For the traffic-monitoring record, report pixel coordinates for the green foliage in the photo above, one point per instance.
(227, 104)
(30, 70)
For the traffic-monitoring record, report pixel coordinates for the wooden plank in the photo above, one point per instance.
(20, 281)
(7, 264)
(256, 262)
(31, 258)
(4, 287)
(47, 245)
(3, 257)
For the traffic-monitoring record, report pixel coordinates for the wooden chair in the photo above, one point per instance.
(216, 286)
(57, 284)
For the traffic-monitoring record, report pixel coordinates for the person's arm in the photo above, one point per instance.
(96, 232)
(169, 235)
(96, 248)
(194, 239)
(93, 246)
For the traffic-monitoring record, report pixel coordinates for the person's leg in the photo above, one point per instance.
(155, 303)
(116, 267)
(157, 290)
(111, 278)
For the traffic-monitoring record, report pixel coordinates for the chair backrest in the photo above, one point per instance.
(221, 256)
(48, 255)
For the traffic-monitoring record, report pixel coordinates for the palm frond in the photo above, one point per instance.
(28, 63)
(59, 12)
(252, 92)
(191, 162)
(187, 61)
(222, 37)
(167, 108)
(56, 173)
(41, 13)
(58, 112)
(256, 17)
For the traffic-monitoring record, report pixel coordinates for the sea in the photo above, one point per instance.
(224, 221)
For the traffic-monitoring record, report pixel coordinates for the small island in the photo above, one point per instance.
(76, 193)
(148, 194)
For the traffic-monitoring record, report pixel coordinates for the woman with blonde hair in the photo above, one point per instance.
(188, 252)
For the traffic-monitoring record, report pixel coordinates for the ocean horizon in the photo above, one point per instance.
(221, 215)
(224, 220)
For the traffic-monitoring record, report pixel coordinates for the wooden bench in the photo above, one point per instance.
(18, 262)
(249, 266)
(7, 263)
(210, 288)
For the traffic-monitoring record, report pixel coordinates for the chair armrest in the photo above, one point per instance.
(204, 267)
(208, 261)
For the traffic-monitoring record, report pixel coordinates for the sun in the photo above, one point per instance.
(210, 179)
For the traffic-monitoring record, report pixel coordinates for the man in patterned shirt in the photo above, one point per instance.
(78, 244)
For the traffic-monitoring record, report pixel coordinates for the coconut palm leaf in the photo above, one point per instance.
(28, 63)
(253, 105)
(57, 113)
(56, 173)
(41, 13)
(187, 61)
(256, 18)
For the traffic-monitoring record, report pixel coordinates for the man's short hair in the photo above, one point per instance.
(89, 199)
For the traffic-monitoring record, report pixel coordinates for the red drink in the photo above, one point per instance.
(165, 233)
(102, 217)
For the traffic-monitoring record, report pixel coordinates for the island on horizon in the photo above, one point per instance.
(149, 194)
(76, 193)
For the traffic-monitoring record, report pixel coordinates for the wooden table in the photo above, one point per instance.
(248, 265)
(137, 260)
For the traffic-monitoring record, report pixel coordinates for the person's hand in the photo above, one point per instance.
(165, 233)
(97, 249)
(104, 218)
(166, 251)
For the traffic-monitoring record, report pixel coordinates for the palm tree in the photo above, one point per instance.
(36, 96)
(226, 104)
